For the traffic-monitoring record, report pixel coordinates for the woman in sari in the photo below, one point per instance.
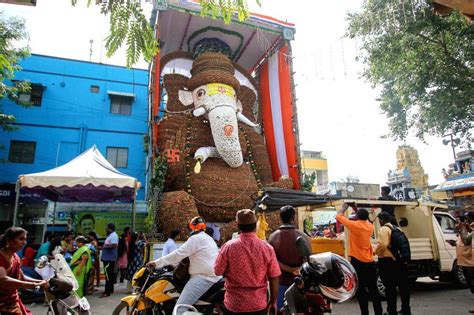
(93, 241)
(81, 263)
(136, 257)
(11, 276)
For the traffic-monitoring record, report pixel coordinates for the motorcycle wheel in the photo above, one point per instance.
(124, 309)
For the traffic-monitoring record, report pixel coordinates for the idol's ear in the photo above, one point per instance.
(246, 97)
(172, 84)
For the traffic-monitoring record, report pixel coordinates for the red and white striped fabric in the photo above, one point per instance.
(278, 116)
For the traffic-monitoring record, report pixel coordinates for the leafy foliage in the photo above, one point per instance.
(225, 9)
(11, 31)
(129, 26)
(308, 182)
(156, 187)
(423, 63)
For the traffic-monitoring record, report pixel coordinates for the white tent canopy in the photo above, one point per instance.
(89, 168)
(87, 178)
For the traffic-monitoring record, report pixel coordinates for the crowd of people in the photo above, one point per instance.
(19, 254)
(257, 273)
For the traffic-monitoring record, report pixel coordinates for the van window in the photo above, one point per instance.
(447, 223)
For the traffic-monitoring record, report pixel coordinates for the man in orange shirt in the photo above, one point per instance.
(362, 257)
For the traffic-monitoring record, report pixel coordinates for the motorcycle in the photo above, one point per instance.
(157, 290)
(325, 278)
(61, 296)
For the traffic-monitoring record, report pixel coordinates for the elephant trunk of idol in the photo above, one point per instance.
(225, 132)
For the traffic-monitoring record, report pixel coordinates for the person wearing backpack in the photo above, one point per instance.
(393, 251)
(361, 256)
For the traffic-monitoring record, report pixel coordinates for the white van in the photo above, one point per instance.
(427, 226)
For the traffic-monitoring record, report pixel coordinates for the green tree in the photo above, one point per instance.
(129, 25)
(308, 182)
(423, 64)
(156, 189)
(12, 30)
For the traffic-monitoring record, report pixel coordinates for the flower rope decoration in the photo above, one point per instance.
(187, 152)
(250, 158)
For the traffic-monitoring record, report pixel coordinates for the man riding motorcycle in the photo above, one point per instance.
(201, 249)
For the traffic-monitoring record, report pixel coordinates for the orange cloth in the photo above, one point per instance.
(359, 239)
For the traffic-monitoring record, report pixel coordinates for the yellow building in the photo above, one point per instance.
(314, 161)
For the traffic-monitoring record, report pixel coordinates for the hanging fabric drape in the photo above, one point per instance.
(277, 107)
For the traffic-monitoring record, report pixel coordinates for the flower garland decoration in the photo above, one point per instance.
(250, 158)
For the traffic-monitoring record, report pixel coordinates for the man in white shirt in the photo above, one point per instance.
(109, 258)
(170, 244)
(202, 252)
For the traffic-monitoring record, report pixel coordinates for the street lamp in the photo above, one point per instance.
(454, 142)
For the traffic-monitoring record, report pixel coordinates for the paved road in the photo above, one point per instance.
(428, 297)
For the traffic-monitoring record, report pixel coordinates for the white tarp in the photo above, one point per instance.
(89, 168)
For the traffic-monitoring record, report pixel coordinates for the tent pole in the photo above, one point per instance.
(17, 198)
(134, 207)
(133, 212)
(54, 219)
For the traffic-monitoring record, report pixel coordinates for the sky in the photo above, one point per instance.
(337, 109)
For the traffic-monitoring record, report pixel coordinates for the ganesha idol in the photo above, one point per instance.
(217, 158)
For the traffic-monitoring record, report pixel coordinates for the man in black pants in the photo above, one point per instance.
(392, 272)
(109, 259)
(362, 257)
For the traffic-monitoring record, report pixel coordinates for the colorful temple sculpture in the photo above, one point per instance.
(459, 184)
(409, 180)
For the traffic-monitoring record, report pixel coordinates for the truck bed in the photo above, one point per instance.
(421, 248)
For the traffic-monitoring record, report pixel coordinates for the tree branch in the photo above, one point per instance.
(442, 44)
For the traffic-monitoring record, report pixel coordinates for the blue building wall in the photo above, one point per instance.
(71, 118)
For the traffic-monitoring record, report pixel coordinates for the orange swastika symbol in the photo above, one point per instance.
(172, 155)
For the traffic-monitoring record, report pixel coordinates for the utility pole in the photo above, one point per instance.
(454, 143)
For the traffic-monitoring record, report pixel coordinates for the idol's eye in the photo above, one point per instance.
(200, 93)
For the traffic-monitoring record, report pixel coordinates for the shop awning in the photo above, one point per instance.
(457, 183)
(118, 93)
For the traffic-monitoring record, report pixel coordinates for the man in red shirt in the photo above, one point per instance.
(248, 263)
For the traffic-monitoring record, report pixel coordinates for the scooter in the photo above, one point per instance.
(61, 296)
(31, 295)
(325, 278)
(157, 290)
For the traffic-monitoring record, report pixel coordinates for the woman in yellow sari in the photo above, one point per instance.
(81, 263)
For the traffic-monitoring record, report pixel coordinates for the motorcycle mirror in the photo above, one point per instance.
(42, 261)
(303, 247)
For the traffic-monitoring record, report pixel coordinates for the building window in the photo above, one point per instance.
(121, 105)
(118, 157)
(22, 152)
(34, 96)
(95, 89)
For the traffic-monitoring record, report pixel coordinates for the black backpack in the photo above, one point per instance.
(399, 245)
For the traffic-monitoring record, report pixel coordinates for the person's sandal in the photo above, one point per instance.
(104, 295)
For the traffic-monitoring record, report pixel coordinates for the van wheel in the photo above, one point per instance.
(381, 288)
(458, 276)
